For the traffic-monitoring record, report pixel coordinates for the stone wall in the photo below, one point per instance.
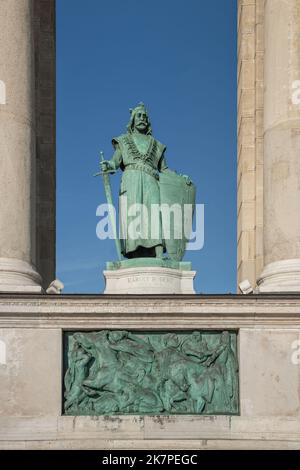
(31, 330)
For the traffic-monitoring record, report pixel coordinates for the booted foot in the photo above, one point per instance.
(159, 251)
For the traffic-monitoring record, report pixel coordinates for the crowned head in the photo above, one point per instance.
(139, 120)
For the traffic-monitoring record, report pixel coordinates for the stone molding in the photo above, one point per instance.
(18, 276)
(149, 432)
(151, 312)
(281, 276)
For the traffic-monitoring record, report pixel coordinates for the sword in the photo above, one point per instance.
(108, 193)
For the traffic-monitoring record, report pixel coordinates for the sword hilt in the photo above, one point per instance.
(103, 173)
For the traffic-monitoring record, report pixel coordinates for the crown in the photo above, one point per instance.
(139, 106)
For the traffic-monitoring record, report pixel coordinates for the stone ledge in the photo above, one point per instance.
(161, 432)
(150, 318)
(149, 311)
(109, 445)
(56, 308)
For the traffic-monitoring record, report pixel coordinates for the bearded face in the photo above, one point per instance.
(141, 121)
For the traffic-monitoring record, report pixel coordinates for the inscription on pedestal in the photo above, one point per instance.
(147, 279)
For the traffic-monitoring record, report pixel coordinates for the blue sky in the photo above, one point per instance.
(179, 58)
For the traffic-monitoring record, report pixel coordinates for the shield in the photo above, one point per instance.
(177, 203)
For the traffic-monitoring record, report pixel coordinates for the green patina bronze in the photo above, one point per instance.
(153, 262)
(122, 372)
(147, 180)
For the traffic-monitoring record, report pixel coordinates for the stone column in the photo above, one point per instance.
(17, 149)
(281, 148)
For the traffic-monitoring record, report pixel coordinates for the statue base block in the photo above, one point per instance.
(149, 263)
(149, 280)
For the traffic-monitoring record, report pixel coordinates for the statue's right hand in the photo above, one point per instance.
(105, 165)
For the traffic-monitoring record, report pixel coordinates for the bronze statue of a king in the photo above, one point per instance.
(147, 185)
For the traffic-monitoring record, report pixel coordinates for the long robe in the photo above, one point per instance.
(139, 185)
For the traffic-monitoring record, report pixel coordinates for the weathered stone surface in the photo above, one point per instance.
(150, 432)
(31, 375)
(281, 148)
(153, 280)
(17, 149)
(27, 145)
(270, 374)
(250, 128)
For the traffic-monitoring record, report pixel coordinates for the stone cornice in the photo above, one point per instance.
(150, 312)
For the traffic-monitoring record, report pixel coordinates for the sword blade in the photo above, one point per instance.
(111, 213)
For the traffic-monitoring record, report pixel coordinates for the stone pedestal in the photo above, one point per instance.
(32, 330)
(149, 280)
